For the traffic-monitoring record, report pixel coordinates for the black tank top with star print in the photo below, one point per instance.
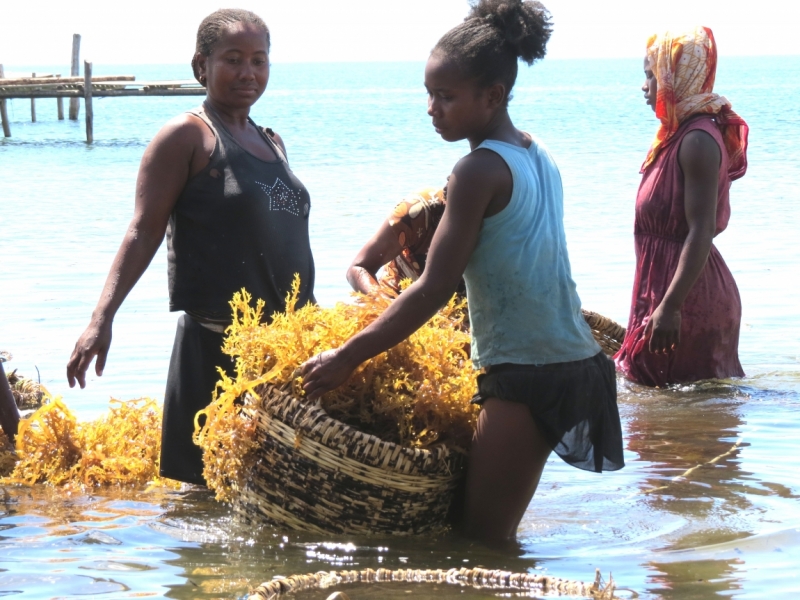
(241, 222)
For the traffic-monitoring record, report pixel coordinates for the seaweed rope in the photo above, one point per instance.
(476, 578)
(685, 475)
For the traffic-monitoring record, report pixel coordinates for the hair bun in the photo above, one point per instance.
(525, 25)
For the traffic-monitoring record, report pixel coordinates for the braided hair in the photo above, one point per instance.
(494, 35)
(213, 26)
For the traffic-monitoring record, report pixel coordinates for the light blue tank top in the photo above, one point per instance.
(523, 305)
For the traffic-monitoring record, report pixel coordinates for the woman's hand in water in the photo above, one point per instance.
(325, 372)
(95, 341)
(663, 329)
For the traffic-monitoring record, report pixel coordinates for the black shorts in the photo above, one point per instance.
(196, 354)
(574, 405)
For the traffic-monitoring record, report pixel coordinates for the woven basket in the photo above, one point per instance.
(609, 334)
(315, 473)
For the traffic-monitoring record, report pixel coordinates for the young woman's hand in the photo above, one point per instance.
(94, 342)
(663, 329)
(325, 372)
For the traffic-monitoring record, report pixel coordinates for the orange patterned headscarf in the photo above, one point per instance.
(685, 66)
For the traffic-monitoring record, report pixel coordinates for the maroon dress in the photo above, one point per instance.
(712, 312)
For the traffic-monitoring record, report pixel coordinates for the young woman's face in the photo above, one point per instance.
(459, 108)
(237, 71)
(650, 86)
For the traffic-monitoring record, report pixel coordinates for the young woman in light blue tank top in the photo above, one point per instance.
(546, 386)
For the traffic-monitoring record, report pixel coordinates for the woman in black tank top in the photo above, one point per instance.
(234, 214)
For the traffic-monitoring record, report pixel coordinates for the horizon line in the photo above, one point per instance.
(9, 66)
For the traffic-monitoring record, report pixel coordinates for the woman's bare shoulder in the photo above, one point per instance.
(482, 168)
(699, 155)
(183, 129)
(184, 139)
(699, 145)
(480, 184)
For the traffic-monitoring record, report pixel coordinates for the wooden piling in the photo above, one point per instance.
(3, 113)
(74, 69)
(87, 100)
(33, 104)
(60, 103)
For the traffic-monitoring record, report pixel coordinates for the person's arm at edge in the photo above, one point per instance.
(699, 158)
(163, 172)
(379, 250)
(473, 185)
(279, 141)
(9, 414)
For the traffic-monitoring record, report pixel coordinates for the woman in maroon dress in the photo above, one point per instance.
(685, 311)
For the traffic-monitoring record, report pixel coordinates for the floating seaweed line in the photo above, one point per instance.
(476, 578)
(685, 475)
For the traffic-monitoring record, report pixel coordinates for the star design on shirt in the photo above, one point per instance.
(282, 197)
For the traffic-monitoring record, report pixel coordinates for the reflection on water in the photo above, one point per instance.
(691, 439)
(680, 434)
(697, 441)
(729, 526)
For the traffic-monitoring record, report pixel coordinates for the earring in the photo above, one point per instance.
(202, 79)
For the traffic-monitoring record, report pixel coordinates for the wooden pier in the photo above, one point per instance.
(86, 87)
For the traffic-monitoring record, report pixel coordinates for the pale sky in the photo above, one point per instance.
(163, 31)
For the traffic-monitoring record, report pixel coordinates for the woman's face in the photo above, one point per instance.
(458, 107)
(237, 71)
(650, 87)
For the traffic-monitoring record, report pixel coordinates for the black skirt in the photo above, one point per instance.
(574, 405)
(193, 375)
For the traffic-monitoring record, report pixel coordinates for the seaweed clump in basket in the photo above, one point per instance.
(27, 393)
(417, 394)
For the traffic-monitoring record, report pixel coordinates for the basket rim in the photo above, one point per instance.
(604, 325)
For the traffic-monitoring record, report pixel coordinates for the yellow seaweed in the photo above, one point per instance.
(120, 448)
(47, 445)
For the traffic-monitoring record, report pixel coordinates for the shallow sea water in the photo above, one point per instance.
(359, 138)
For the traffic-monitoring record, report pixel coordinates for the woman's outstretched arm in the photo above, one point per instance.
(171, 156)
(479, 180)
(699, 158)
(379, 250)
